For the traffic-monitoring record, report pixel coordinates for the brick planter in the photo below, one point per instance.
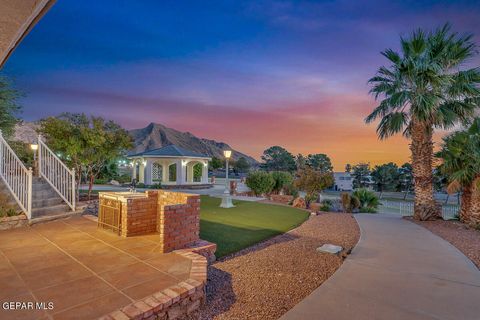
(285, 199)
(7, 223)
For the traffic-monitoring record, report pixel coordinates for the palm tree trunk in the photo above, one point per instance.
(473, 217)
(465, 204)
(422, 154)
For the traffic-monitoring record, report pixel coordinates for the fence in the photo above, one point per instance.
(405, 208)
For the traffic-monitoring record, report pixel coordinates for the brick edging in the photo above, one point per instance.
(180, 299)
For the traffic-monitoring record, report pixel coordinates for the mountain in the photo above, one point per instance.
(155, 136)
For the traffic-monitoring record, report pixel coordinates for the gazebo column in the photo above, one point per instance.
(134, 171)
(165, 172)
(190, 172)
(205, 172)
(148, 172)
(181, 172)
(141, 172)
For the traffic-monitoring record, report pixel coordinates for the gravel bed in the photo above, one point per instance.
(266, 280)
(463, 237)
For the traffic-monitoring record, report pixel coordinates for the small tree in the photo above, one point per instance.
(9, 107)
(348, 167)
(281, 179)
(86, 143)
(260, 182)
(313, 182)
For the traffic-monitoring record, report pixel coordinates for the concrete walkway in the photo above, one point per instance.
(398, 270)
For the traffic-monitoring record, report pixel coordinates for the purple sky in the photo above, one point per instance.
(250, 73)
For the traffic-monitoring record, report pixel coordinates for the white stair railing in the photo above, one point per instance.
(56, 173)
(16, 177)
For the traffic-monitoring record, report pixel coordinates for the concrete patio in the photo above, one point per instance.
(84, 271)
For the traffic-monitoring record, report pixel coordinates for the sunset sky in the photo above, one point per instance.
(250, 73)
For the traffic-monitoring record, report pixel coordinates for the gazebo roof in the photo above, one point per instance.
(170, 151)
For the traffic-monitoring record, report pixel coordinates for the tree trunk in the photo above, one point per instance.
(422, 153)
(465, 204)
(473, 217)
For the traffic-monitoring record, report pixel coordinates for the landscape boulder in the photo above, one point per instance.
(315, 206)
(299, 203)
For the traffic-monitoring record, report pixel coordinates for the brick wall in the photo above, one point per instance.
(179, 219)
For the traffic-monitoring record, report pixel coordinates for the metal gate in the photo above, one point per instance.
(110, 215)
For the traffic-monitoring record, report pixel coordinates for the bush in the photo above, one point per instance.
(349, 203)
(368, 200)
(260, 182)
(281, 179)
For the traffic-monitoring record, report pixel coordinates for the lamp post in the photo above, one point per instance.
(226, 198)
(34, 148)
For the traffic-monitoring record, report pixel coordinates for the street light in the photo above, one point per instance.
(34, 148)
(226, 199)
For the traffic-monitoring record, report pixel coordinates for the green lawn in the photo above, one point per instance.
(248, 223)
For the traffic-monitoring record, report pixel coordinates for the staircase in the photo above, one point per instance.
(45, 200)
(46, 197)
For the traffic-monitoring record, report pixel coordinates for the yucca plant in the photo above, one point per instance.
(425, 88)
(368, 200)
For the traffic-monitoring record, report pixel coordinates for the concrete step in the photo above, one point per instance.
(44, 194)
(50, 211)
(64, 215)
(46, 202)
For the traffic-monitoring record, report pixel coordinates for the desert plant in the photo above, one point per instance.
(349, 203)
(310, 198)
(260, 182)
(368, 200)
(282, 179)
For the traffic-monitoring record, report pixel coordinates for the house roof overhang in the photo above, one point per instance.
(16, 21)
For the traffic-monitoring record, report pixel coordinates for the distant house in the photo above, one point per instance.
(343, 181)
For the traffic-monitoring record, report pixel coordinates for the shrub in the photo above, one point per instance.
(349, 203)
(157, 185)
(281, 179)
(368, 200)
(260, 182)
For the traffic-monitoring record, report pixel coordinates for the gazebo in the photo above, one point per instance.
(170, 165)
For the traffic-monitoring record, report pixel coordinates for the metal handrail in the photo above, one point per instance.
(56, 173)
(16, 177)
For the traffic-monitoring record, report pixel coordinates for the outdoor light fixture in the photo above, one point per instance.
(226, 198)
(34, 147)
(144, 163)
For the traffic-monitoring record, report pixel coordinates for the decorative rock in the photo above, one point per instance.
(114, 183)
(299, 203)
(330, 248)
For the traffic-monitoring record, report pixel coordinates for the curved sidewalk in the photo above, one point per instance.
(398, 270)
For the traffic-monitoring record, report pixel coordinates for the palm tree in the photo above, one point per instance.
(424, 89)
(460, 157)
